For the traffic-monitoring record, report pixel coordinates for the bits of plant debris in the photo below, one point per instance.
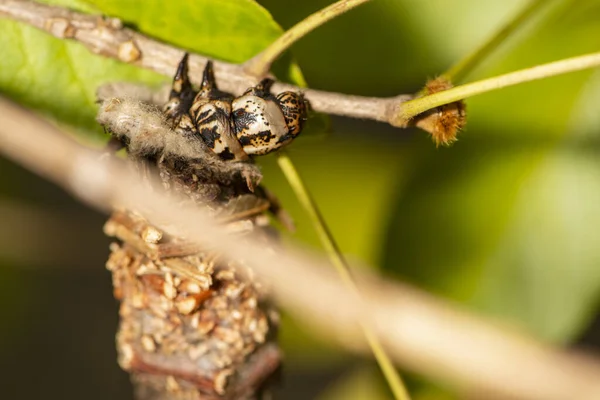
(191, 322)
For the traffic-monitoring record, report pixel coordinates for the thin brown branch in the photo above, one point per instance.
(108, 37)
(420, 332)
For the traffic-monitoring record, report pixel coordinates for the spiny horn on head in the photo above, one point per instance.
(181, 80)
(208, 78)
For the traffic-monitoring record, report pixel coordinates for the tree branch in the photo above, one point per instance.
(420, 332)
(415, 107)
(108, 37)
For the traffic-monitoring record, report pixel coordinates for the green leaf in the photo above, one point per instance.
(232, 30)
(58, 78)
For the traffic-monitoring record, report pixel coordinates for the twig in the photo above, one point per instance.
(417, 106)
(109, 38)
(463, 67)
(339, 262)
(419, 332)
(260, 64)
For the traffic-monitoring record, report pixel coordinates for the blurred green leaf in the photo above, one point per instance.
(352, 181)
(505, 220)
(359, 384)
(373, 50)
(544, 107)
(58, 78)
(388, 47)
(364, 381)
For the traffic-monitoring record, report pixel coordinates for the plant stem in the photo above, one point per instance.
(417, 106)
(337, 259)
(106, 38)
(463, 67)
(261, 63)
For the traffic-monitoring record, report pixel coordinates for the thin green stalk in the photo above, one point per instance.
(419, 105)
(463, 67)
(261, 64)
(337, 259)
